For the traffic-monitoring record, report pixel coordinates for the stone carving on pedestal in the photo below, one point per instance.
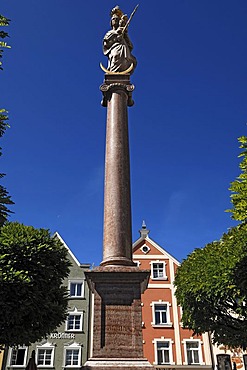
(117, 284)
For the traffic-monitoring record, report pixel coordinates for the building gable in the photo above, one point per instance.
(154, 250)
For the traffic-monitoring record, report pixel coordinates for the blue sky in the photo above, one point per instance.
(190, 108)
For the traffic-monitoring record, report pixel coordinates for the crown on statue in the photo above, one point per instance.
(116, 11)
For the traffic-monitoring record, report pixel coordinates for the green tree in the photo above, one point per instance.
(33, 301)
(239, 186)
(211, 284)
(3, 35)
(212, 290)
(5, 199)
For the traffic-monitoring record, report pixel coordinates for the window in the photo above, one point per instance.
(161, 314)
(76, 288)
(72, 355)
(74, 322)
(158, 271)
(192, 350)
(224, 361)
(45, 356)
(163, 351)
(18, 357)
(145, 249)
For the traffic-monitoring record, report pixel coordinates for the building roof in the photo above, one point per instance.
(144, 235)
(83, 265)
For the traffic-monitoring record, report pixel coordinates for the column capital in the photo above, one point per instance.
(112, 83)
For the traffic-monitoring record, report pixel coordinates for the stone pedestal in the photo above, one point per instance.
(117, 329)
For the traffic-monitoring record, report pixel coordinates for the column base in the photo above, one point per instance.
(117, 261)
(118, 364)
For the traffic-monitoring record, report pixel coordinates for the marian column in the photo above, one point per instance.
(117, 284)
(117, 95)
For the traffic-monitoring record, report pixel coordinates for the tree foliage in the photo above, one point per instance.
(212, 290)
(3, 35)
(33, 301)
(212, 282)
(239, 186)
(5, 199)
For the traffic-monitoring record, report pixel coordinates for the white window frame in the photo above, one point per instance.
(163, 339)
(72, 347)
(161, 303)
(184, 342)
(75, 312)
(25, 357)
(164, 277)
(45, 346)
(77, 281)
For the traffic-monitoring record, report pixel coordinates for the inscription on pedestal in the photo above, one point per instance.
(117, 320)
(118, 325)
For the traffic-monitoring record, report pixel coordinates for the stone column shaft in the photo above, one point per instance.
(117, 244)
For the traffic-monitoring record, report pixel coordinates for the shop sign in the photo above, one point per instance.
(62, 336)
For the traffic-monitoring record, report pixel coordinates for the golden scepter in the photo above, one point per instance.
(129, 20)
